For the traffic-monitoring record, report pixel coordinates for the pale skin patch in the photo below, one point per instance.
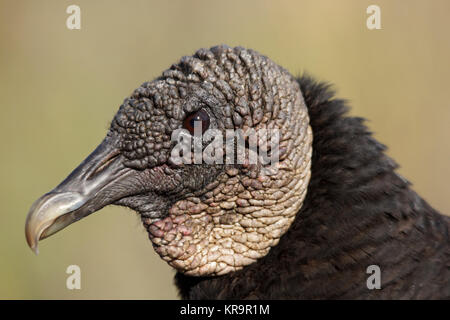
(239, 218)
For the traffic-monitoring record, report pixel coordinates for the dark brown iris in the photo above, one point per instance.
(200, 117)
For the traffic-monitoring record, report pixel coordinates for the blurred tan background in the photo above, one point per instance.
(59, 89)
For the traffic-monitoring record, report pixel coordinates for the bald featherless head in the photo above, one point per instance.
(203, 219)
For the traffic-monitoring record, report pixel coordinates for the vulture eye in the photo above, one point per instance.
(196, 118)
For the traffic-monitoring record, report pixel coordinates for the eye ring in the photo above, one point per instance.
(199, 117)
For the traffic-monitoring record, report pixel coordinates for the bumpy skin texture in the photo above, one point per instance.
(217, 219)
(357, 212)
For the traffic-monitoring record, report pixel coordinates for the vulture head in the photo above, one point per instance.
(204, 219)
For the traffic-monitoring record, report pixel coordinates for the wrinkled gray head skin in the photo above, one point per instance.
(202, 219)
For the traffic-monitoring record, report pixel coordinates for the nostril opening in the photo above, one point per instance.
(102, 165)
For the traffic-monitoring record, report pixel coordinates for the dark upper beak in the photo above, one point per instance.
(94, 184)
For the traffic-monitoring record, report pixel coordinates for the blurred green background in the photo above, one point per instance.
(59, 89)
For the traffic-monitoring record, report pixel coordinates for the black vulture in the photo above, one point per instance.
(306, 226)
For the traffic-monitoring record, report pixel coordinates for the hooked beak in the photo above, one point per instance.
(94, 184)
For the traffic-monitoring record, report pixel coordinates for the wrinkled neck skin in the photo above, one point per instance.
(238, 217)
